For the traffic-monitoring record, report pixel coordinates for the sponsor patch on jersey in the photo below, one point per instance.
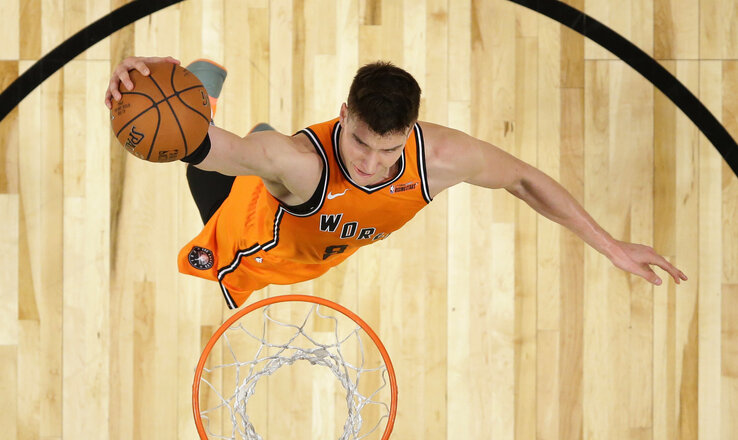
(201, 258)
(402, 187)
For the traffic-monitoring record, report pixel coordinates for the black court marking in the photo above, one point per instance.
(75, 45)
(646, 66)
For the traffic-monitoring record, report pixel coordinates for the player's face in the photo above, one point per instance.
(370, 158)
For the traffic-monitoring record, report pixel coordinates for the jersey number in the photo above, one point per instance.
(334, 250)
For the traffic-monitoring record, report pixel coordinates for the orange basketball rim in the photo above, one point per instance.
(322, 354)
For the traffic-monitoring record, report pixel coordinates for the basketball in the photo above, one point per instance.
(165, 117)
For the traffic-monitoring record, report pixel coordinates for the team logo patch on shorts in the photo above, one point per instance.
(201, 258)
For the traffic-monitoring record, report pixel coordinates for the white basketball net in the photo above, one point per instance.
(273, 343)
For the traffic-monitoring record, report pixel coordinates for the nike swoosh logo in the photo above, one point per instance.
(333, 196)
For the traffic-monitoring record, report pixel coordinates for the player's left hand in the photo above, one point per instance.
(638, 259)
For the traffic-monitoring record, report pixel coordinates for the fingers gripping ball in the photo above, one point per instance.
(165, 117)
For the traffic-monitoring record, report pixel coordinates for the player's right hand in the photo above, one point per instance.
(120, 75)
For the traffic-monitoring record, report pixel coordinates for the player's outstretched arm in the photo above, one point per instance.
(289, 166)
(270, 155)
(552, 200)
(480, 163)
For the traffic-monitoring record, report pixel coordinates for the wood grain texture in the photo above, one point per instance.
(710, 249)
(501, 324)
(9, 135)
(10, 33)
(676, 30)
(29, 27)
(718, 31)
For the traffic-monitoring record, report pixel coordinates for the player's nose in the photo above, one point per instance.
(371, 161)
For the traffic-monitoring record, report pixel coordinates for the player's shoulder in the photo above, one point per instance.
(296, 163)
(281, 142)
(450, 155)
(436, 135)
(312, 138)
(287, 153)
(444, 145)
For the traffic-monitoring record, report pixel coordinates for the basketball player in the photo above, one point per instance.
(282, 209)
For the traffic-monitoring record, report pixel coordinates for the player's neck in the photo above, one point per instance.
(391, 174)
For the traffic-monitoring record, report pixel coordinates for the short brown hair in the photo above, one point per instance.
(384, 97)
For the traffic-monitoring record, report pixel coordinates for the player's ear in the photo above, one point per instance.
(409, 131)
(343, 114)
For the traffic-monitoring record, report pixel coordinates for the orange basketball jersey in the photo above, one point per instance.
(254, 240)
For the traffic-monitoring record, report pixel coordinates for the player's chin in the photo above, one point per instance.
(363, 180)
(360, 177)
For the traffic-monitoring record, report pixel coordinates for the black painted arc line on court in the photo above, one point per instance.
(73, 46)
(646, 66)
(563, 13)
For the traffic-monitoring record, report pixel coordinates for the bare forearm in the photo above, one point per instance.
(224, 154)
(252, 155)
(485, 165)
(554, 202)
(546, 196)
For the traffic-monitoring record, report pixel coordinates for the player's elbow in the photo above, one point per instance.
(520, 179)
(517, 188)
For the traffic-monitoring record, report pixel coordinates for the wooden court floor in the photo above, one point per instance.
(501, 324)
